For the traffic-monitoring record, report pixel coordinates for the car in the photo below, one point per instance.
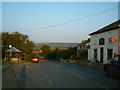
(35, 59)
(112, 68)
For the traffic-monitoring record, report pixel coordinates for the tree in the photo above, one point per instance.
(18, 40)
(53, 54)
(83, 54)
(5, 42)
(64, 54)
(83, 42)
(45, 50)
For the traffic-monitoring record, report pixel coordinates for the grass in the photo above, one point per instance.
(6, 62)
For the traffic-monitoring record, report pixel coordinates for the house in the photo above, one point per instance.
(105, 43)
(81, 47)
(84, 45)
(13, 54)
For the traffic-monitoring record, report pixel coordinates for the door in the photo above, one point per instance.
(101, 54)
(95, 55)
(109, 54)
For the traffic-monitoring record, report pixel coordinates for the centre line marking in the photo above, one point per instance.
(50, 82)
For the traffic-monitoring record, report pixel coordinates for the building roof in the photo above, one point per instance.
(81, 44)
(13, 49)
(112, 26)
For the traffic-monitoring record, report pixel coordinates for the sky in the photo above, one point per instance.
(69, 22)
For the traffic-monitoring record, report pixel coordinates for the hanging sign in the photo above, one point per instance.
(112, 39)
(115, 54)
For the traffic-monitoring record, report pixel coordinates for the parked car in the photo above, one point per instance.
(112, 68)
(35, 59)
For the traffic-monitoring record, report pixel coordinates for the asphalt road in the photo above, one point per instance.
(50, 74)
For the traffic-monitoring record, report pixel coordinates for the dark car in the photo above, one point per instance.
(35, 59)
(112, 68)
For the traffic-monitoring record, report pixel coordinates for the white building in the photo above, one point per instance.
(105, 42)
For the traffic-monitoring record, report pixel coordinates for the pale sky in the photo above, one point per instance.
(69, 22)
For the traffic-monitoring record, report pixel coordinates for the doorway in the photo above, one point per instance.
(109, 54)
(101, 54)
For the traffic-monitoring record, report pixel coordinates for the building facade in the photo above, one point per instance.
(105, 43)
(13, 54)
(81, 47)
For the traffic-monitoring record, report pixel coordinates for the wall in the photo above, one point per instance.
(119, 40)
(16, 59)
(108, 45)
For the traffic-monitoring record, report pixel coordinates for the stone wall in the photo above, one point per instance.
(89, 64)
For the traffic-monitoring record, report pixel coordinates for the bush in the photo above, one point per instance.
(35, 55)
(6, 62)
(52, 55)
(83, 54)
(28, 58)
(32, 55)
(57, 54)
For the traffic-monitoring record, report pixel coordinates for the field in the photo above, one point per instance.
(58, 45)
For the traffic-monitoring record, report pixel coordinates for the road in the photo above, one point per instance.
(50, 74)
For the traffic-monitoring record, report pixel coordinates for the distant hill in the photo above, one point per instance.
(59, 45)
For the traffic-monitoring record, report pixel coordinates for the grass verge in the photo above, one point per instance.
(6, 62)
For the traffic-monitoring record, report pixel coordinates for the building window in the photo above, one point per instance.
(101, 41)
(109, 54)
(95, 54)
(80, 47)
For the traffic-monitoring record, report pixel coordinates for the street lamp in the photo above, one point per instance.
(10, 46)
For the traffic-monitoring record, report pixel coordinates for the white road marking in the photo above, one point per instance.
(27, 67)
(50, 82)
(76, 74)
(13, 73)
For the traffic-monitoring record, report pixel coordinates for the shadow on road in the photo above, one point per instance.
(22, 80)
(8, 80)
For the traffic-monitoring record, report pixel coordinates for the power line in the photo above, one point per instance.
(71, 21)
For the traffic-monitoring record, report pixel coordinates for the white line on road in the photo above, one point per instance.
(76, 74)
(50, 82)
(13, 73)
(27, 67)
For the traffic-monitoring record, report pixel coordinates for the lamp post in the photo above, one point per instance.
(10, 46)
